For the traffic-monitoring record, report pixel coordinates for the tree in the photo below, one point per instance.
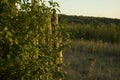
(29, 48)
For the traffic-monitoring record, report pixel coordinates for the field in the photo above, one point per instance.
(33, 35)
(90, 60)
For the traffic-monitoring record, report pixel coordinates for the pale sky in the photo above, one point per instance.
(97, 8)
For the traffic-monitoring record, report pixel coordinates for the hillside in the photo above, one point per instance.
(92, 28)
(88, 20)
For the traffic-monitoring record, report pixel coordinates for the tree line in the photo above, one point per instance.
(92, 28)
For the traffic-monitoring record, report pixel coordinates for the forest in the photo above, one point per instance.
(92, 28)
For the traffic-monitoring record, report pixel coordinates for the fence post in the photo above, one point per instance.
(58, 42)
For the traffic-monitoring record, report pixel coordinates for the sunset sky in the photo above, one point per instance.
(97, 8)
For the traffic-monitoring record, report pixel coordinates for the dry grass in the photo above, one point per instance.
(89, 60)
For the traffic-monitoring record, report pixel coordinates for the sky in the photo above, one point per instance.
(96, 8)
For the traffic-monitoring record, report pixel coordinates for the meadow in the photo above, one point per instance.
(95, 48)
(92, 60)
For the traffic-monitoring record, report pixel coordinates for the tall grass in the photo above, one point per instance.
(97, 47)
(90, 60)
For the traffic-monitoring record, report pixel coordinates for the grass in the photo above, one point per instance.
(89, 60)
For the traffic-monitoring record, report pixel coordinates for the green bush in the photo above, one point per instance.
(25, 51)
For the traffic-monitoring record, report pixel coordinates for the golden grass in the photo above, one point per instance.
(90, 60)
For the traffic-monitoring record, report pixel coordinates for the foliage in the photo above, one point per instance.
(88, 20)
(91, 28)
(25, 52)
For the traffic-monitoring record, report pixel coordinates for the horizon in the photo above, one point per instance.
(89, 16)
(91, 8)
